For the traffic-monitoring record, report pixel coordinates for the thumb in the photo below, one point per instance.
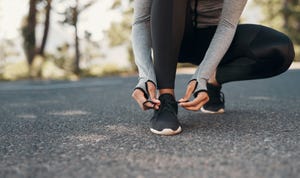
(152, 92)
(189, 91)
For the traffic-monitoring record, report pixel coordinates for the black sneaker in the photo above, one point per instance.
(165, 121)
(216, 103)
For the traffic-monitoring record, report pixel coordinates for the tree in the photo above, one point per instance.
(119, 32)
(71, 18)
(291, 16)
(283, 15)
(28, 31)
(46, 27)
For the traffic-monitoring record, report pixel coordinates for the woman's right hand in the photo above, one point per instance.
(143, 102)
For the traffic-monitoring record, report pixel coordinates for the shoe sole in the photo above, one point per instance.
(220, 111)
(166, 132)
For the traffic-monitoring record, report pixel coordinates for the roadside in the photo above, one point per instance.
(191, 70)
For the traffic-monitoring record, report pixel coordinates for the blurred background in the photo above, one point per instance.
(69, 39)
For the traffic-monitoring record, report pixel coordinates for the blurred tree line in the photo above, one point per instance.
(118, 34)
(285, 16)
(70, 15)
(281, 14)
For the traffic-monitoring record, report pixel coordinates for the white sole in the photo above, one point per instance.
(220, 111)
(166, 132)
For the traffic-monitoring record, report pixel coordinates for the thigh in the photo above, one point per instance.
(257, 43)
(256, 52)
(241, 44)
(251, 43)
(195, 44)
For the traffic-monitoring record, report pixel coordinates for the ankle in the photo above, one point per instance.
(166, 91)
(215, 84)
(213, 81)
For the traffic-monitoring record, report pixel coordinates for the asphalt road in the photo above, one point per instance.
(92, 128)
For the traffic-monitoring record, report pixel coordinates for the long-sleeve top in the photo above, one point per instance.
(223, 13)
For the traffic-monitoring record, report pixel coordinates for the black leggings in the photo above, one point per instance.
(256, 51)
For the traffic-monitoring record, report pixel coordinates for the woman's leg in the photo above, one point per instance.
(167, 27)
(257, 52)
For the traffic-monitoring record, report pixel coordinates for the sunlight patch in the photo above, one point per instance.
(27, 116)
(260, 98)
(121, 129)
(90, 138)
(69, 113)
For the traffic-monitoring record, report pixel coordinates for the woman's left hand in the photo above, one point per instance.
(197, 103)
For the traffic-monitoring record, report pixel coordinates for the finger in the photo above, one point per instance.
(148, 104)
(197, 107)
(202, 96)
(189, 91)
(182, 101)
(152, 93)
(139, 97)
(195, 102)
(156, 107)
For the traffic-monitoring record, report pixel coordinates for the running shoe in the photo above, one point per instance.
(216, 103)
(164, 120)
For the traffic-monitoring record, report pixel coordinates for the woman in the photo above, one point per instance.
(205, 33)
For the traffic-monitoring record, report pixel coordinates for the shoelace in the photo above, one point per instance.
(217, 97)
(167, 106)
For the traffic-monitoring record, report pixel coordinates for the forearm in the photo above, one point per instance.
(221, 41)
(141, 42)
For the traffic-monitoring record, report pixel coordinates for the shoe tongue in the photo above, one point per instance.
(168, 101)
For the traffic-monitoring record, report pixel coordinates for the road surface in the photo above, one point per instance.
(92, 128)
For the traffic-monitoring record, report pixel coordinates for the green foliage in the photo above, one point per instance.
(293, 27)
(109, 69)
(116, 4)
(285, 16)
(15, 71)
(131, 58)
(119, 32)
(71, 17)
(71, 13)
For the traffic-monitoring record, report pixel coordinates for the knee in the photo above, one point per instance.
(276, 48)
(287, 54)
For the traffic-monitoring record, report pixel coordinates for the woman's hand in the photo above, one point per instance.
(195, 104)
(144, 103)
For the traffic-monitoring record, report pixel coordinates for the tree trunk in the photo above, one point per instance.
(29, 33)
(46, 27)
(286, 14)
(77, 51)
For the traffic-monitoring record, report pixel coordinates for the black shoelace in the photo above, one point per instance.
(217, 97)
(167, 106)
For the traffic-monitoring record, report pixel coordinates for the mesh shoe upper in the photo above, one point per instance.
(166, 116)
(216, 99)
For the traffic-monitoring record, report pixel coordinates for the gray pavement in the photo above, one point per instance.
(92, 128)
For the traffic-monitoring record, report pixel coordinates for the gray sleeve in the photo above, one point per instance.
(231, 12)
(141, 43)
